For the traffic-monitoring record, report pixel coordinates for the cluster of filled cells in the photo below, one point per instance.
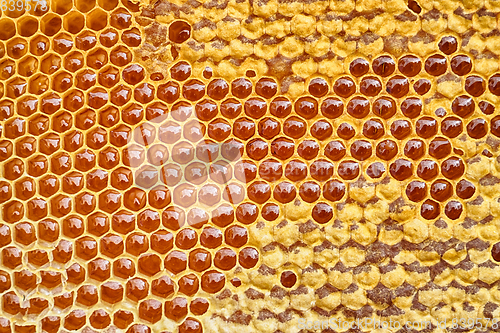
(71, 105)
(272, 137)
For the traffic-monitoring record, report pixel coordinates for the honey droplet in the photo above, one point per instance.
(288, 279)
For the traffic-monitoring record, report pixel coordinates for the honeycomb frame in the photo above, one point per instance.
(223, 165)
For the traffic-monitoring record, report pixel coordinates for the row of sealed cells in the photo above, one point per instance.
(440, 190)
(295, 128)
(284, 192)
(398, 86)
(410, 65)
(306, 108)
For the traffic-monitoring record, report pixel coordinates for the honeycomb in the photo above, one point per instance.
(224, 165)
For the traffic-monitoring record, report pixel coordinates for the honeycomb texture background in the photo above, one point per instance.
(218, 166)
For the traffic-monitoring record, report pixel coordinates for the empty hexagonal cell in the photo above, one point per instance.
(50, 24)
(7, 29)
(97, 19)
(27, 26)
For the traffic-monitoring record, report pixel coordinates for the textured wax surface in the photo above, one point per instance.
(225, 166)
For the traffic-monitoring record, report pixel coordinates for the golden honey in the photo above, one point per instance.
(213, 166)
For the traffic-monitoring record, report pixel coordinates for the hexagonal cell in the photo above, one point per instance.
(62, 122)
(17, 48)
(38, 125)
(28, 66)
(85, 119)
(6, 148)
(62, 6)
(40, 9)
(14, 128)
(26, 146)
(39, 45)
(38, 84)
(73, 61)
(86, 40)
(27, 26)
(51, 24)
(50, 103)
(50, 64)
(62, 82)
(27, 106)
(7, 29)
(97, 19)
(17, 12)
(85, 79)
(97, 59)
(84, 5)
(121, 19)
(74, 100)
(7, 69)
(107, 4)
(62, 43)
(16, 87)
(74, 22)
